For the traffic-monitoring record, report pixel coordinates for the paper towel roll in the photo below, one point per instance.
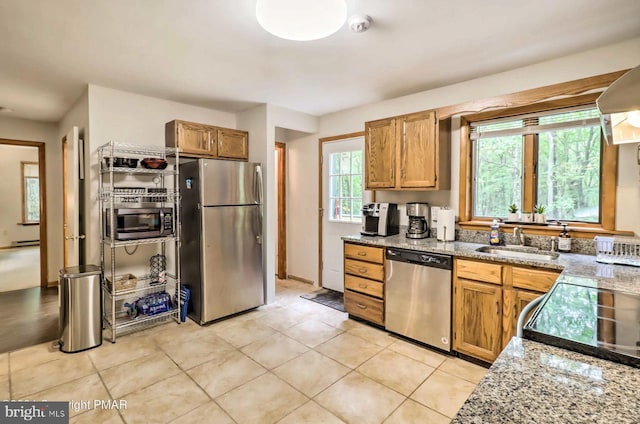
(446, 225)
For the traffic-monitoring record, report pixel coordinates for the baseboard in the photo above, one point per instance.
(302, 280)
(52, 284)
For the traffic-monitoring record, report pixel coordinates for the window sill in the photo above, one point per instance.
(28, 223)
(577, 231)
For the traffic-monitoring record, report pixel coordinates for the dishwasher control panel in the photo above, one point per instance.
(435, 260)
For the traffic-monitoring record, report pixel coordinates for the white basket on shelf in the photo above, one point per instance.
(618, 250)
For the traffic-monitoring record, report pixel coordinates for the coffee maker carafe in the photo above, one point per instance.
(418, 214)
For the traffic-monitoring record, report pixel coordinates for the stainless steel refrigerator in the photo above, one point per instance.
(221, 237)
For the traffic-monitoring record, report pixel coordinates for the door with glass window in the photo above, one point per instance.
(342, 197)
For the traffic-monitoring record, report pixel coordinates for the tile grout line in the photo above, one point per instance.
(105, 387)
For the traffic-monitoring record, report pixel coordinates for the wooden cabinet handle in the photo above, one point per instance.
(497, 307)
(362, 253)
(515, 311)
(361, 306)
(363, 286)
(363, 270)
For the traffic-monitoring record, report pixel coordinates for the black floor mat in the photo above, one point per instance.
(331, 298)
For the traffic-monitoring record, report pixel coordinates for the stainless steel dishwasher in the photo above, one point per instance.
(418, 290)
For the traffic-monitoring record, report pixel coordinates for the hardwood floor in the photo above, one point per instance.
(28, 317)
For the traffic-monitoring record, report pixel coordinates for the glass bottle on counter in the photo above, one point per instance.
(564, 240)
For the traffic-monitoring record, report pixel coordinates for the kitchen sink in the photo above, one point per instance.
(527, 253)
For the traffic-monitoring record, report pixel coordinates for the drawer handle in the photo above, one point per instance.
(497, 308)
(363, 270)
(363, 286)
(362, 253)
(361, 306)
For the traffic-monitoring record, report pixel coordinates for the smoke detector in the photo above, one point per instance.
(359, 23)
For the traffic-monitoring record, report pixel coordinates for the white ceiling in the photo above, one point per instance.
(213, 53)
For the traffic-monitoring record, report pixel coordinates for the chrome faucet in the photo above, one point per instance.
(518, 233)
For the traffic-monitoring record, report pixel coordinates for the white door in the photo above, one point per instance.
(71, 163)
(342, 197)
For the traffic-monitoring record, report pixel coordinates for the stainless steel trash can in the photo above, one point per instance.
(80, 301)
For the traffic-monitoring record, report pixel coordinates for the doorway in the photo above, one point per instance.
(24, 223)
(28, 308)
(281, 212)
(341, 197)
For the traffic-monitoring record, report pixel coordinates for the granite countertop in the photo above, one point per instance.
(534, 383)
(576, 269)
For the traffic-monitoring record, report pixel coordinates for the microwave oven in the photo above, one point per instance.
(140, 223)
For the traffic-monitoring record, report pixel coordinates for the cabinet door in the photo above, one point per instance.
(418, 151)
(233, 144)
(195, 139)
(514, 302)
(380, 154)
(477, 313)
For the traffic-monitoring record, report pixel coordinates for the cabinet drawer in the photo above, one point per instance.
(364, 253)
(364, 307)
(479, 271)
(362, 285)
(533, 279)
(364, 269)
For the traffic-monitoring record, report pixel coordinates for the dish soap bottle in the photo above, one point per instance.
(494, 234)
(564, 240)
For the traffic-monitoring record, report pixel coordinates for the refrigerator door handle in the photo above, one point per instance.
(259, 183)
(259, 202)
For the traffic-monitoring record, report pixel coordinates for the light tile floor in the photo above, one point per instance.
(293, 361)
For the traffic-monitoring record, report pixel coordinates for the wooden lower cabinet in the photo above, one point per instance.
(365, 307)
(478, 319)
(488, 299)
(514, 302)
(364, 282)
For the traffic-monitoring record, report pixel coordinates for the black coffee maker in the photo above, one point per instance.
(418, 214)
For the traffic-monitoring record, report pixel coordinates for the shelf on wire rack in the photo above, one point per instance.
(135, 149)
(121, 243)
(124, 323)
(144, 285)
(125, 170)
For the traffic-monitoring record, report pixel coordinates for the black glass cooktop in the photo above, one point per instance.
(589, 320)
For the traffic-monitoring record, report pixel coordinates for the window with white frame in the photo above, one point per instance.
(346, 186)
(551, 159)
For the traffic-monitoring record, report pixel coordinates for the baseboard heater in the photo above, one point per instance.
(25, 243)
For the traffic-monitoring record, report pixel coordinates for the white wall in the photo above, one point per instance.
(11, 193)
(131, 118)
(46, 132)
(589, 63)
(262, 122)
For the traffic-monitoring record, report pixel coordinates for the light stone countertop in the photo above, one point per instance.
(576, 269)
(531, 382)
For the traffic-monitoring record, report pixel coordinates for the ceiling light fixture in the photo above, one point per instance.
(5, 109)
(301, 20)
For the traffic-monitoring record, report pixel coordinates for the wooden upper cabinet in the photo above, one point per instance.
(418, 151)
(477, 321)
(207, 141)
(191, 138)
(380, 154)
(409, 152)
(233, 144)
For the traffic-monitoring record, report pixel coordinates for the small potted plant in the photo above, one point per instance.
(540, 216)
(526, 216)
(513, 213)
